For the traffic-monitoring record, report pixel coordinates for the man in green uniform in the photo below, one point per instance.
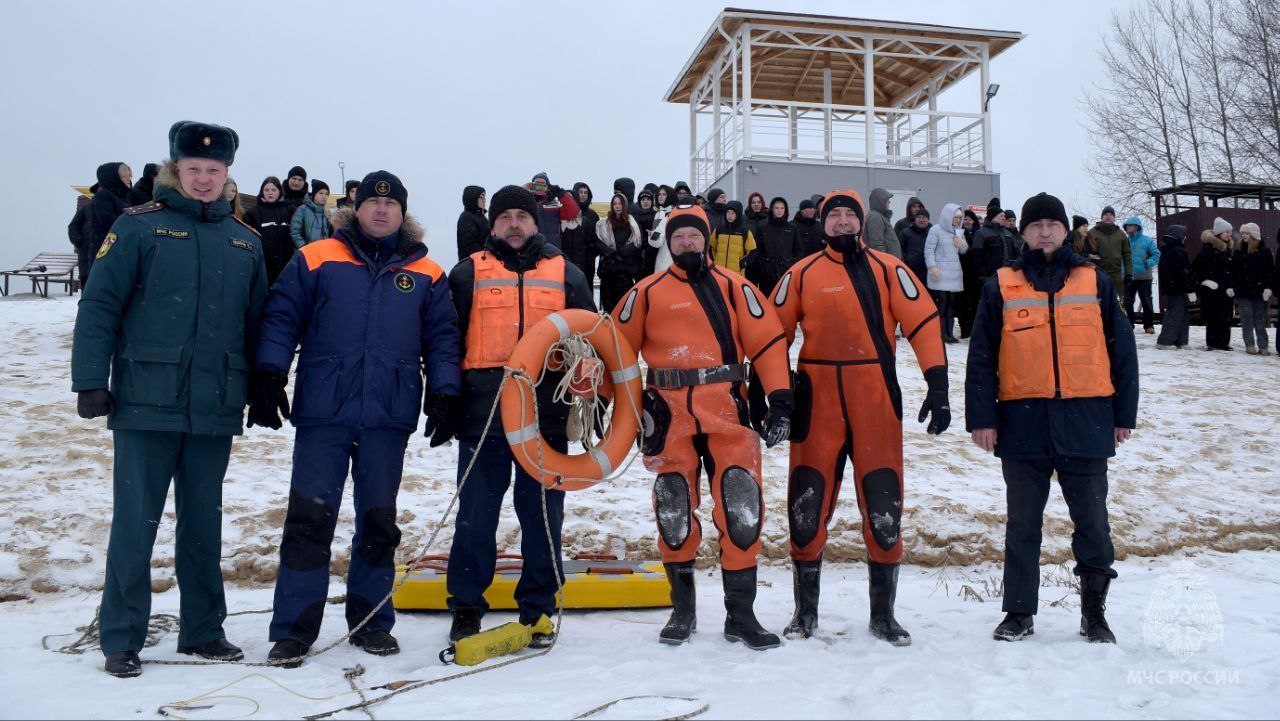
(1113, 245)
(167, 324)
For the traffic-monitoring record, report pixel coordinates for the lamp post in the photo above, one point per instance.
(992, 89)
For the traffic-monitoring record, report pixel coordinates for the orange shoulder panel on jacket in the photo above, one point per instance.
(426, 266)
(328, 250)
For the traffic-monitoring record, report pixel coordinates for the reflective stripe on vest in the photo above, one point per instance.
(1032, 333)
(503, 306)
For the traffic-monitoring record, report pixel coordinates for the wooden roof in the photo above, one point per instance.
(796, 74)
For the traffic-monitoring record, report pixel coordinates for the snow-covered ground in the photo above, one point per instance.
(1194, 493)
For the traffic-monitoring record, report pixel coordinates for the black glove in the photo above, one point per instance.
(935, 401)
(95, 403)
(267, 399)
(442, 418)
(757, 404)
(777, 424)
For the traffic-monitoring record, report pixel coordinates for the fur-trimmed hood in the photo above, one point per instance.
(1208, 238)
(412, 234)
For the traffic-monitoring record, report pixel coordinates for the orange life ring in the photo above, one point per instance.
(560, 470)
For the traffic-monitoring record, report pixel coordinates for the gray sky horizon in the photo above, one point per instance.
(487, 93)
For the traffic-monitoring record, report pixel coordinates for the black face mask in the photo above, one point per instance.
(844, 243)
(691, 262)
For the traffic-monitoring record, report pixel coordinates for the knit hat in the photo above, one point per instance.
(1042, 206)
(318, 185)
(1078, 220)
(512, 197)
(381, 184)
(1251, 229)
(993, 208)
(1108, 210)
(807, 203)
(1221, 226)
(923, 212)
(688, 217)
(1009, 214)
(191, 139)
(297, 170)
(842, 199)
(353, 183)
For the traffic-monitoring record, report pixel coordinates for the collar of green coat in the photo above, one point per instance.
(201, 212)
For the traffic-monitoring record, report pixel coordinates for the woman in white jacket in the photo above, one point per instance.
(942, 250)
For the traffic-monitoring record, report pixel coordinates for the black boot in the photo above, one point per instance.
(1015, 627)
(124, 664)
(466, 622)
(218, 650)
(1093, 606)
(805, 576)
(377, 643)
(739, 599)
(287, 653)
(883, 591)
(684, 617)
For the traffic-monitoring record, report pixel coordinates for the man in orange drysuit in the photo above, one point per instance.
(849, 300)
(695, 324)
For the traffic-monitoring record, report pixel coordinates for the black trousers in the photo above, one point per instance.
(1084, 486)
(946, 302)
(1216, 308)
(1141, 289)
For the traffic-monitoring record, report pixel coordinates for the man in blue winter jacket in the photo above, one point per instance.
(371, 312)
(1146, 258)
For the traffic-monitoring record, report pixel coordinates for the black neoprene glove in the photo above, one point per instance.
(777, 423)
(442, 418)
(95, 403)
(936, 402)
(267, 399)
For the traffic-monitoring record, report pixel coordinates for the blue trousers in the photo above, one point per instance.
(322, 456)
(474, 553)
(145, 463)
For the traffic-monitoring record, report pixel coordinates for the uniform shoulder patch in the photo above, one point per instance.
(246, 225)
(241, 244)
(107, 242)
(150, 206)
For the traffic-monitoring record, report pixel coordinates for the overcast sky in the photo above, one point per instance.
(448, 94)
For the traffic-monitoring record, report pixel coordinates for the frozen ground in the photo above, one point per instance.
(1199, 473)
(1198, 636)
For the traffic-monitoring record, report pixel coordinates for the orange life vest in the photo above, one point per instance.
(1053, 351)
(504, 304)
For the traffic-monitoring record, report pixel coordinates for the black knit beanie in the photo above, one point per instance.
(993, 208)
(511, 197)
(382, 184)
(318, 185)
(1078, 220)
(1043, 206)
(296, 170)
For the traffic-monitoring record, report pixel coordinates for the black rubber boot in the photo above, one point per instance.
(466, 622)
(219, 650)
(883, 590)
(287, 653)
(739, 600)
(1093, 606)
(805, 576)
(124, 664)
(684, 607)
(377, 643)
(1015, 627)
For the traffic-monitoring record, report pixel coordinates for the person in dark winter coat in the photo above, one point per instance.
(622, 246)
(646, 216)
(1252, 267)
(913, 238)
(1212, 271)
(577, 246)
(1178, 287)
(914, 205)
(777, 247)
(108, 204)
(541, 283)
(163, 340)
(555, 205)
(348, 199)
(368, 312)
(1113, 248)
(582, 192)
(971, 267)
(808, 228)
(627, 187)
(473, 224)
(271, 217)
(684, 194)
(879, 234)
(1039, 420)
(295, 186)
(757, 213)
(1082, 241)
(144, 189)
(80, 232)
(665, 198)
(716, 203)
(993, 242)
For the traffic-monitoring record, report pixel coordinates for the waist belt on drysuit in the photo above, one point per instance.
(671, 378)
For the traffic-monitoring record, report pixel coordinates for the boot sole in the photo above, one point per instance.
(207, 657)
(376, 651)
(673, 641)
(1097, 640)
(1018, 637)
(125, 674)
(731, 638)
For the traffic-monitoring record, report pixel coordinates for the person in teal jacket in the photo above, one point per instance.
(1146, 258)
(162, 347)
(309, 222)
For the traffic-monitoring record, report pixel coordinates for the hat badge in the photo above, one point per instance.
(382, 187)
(208, 140)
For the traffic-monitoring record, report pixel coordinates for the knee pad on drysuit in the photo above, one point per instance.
(657, 420)
(804, 504)
(743, 506)
(671, 505)
(883, 493)
(379, 537)
(308, 531)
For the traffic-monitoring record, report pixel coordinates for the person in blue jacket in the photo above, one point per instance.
(371, 312)
(1146, 258)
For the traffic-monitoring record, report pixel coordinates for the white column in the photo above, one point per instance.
(746, 91)
(793, 141)
(718, 154)
(933, 119)
(869, 98)
(826, 112)
(982, 98)
(693, 135)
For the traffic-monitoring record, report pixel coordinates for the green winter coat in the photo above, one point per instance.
(169, 315)
(1113, 246)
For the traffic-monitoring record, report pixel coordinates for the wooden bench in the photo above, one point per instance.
(46, 269)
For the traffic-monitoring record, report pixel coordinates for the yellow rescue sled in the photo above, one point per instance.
(591, 581)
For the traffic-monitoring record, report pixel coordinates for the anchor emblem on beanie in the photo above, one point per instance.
(382, 187)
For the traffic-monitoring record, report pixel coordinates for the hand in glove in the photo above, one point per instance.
(1210, 284)
(777, 423)
(935, 401)
(95, 403)
(1191, 297)
(1231, 292)
(1266, 295)
(267, 399)
(442, 418)
(757, 405)
(959, 242)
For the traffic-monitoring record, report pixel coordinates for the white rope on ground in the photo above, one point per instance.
(696, 712)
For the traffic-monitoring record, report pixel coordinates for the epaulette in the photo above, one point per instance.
(150, 206)
(250, 227)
